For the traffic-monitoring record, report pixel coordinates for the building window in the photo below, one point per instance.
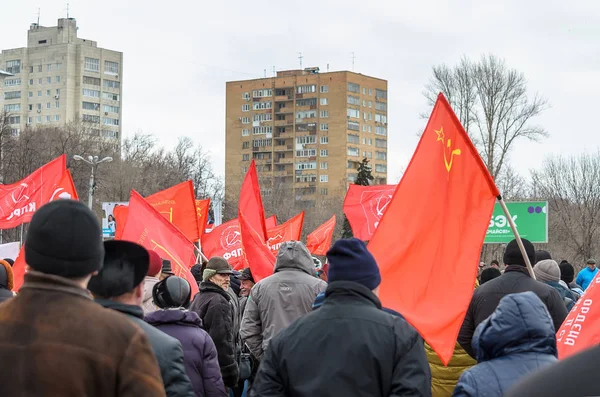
(245, 132)
(380, 94)
(306, 165)
(56, 117)
(353, 113)
(304, 89)
(13, 107)
(324, 114)
(112, 84)
(39, 107)
(13, 67)
(364, 128)
(306, 153)
(12, 82)
(30, 107)
(30, 94)
(324, 127)
(307, 102)
(12, 95)
(352, 87)
(110, 121)
(323, 191)
(92, 64)
(31, 69)
(382, 143)
(380, 155)
(370, 141)
(39, 93)
(47, 119)
(38, 119)
(364, 103)
(246, 145)
(245, 157)
(324, 140)
(49, 80)
(324, 89)
(324, 153)
(48, 92)
(90, 106)
(91, 80)
(90, 93)
(49, 67)
(30, 81)
(39, 68)
(111, 67)
(245, 95)
(57, 91)
(245, 120)
(324, 165)
(353, 100)
(110, 96)
(308, 114)
(353, 138)
(364, 91)
(40, 81)
(263, 117)
(379, 130)
(364, 154)
(57, 66)
(353, 151)
(57, 104)
(353, 125)
(262, 130)
(380, 168)
(14, 120)
(262, 142)
(370, 129)
(262, 93)
(370, 104)
(380, 118)
(364, 141)
(381, 106)
(246, 107)
(324, 102)
(262, 105)
(304, 140)
(110, 109)
(324, 178)
(91, 119)
(369, 155)
(48, 106)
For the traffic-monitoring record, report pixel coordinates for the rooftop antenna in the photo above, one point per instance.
(38, 20)
(67, 10)
(300, 58)
(274, 72)
(265, 73)
(353, 59)
(327, 68)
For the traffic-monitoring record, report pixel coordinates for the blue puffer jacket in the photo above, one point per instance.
(518, 338)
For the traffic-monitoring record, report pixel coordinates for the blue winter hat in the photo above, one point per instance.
(349, 260)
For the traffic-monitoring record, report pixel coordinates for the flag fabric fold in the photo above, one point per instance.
(259, 257)
(290, 230)
(178, 205)
(364, 206)
(250, 202)
(429, 240)
(202, 207)
(319, 241)
(271, 222)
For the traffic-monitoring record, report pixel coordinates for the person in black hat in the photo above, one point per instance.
(58, 342)
(515, 279)
(119, 286)
(349, 333)
(167, 270)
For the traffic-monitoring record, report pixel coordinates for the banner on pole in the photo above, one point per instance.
(531, 218)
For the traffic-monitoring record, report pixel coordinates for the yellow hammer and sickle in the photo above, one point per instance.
(452, 153)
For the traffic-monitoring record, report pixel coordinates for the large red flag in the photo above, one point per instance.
(288, 231)
(202, 207)
(581, 328)
(120, 213)
(271, 222)
(364, 206)
(258, 256)
(19, 200)
(225, 240)
(439, 214)
(319, 241)
(147, 227)
(251, 202)
(18, 270)
(178, 205)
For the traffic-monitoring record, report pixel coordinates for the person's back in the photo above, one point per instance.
(548, 272)
(517, 339)
(587, 274)
(278, 300)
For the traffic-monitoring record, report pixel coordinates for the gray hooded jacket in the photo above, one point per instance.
(278, 300)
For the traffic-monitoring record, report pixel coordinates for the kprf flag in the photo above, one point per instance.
(438, 218)
(581, 328)
(202, 207)
(257, 255)
(150, 229)
(271, 222)
(319, 241)
(364, 206)
(287, 231)
(251, 202)
(19, 200)
(225, 240)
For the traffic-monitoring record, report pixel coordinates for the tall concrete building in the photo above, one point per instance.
(59, 78)
(306, 131)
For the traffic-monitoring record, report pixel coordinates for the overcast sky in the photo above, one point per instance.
(178, 56)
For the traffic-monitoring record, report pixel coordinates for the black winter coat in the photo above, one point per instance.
(213, 306)
(487, 297)
(349, 347)
(168, 350)
(5, 294)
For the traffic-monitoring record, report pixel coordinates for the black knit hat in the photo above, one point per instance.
(567, 272)
(349, 260)
(125, 266)
(64, 239)
(172, 292)
(541, 255)
(513, 256)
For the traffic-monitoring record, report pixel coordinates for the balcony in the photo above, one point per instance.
(284, 160)
(289, 110)
(280, 173)
(284, 98)
(263, 161)
(284, 148)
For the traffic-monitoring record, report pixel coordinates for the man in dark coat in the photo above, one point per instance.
(120, 287)
(350, 346)
(61, 343)
(213, 306)
(514, 280)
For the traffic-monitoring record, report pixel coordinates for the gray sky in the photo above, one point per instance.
(178, 56)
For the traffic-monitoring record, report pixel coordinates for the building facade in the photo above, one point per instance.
(306, 131)
(59, 78)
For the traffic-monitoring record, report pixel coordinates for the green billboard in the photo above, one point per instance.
(531, 218)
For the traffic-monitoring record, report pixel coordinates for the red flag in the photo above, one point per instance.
(440, 213)
(202, 207)
(319, 241)
(364, 206)
(581, 328)
(18, 269)
(288, 231)
(251, 202)
(258, 256)
(178, 205)
(271, 222)
(19, 200)
(147, 227)
(120, 214)
(65, 189)
(225, 240)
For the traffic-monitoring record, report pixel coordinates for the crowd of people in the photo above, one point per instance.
(110, 318)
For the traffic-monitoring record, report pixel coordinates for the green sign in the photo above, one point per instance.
(531, 218)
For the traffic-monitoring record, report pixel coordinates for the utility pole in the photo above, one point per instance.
(300, 58)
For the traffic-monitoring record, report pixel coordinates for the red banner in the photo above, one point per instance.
(225, 240)
(319, 241)
(202, 207)
(19, 200)
(259, 257)
(271, 222)
(251, 202)
(178, 205)
(364, 206)
(288, 231)
(147, 227)
(581, 328)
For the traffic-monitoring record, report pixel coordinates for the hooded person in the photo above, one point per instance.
(213, 305)
(278, 300)
(515, 279)
(154, 271)
(567, 275)
(172, 295)
(349, 346)
(6, 281)
(61, 342)
(517, 339)
(120, 287)
(548, 272)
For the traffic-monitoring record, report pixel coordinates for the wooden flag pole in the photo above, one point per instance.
(517, 237)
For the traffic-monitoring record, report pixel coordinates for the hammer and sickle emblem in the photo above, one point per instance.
(448, 149)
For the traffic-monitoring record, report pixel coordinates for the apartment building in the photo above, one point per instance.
(306, 130)
(59, 78)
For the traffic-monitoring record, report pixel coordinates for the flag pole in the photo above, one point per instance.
(517, 237)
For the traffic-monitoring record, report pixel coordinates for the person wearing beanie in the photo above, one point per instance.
(547, 271)
(6, 281)
(213, 306)
(567, 275)
(154, 272)
(489, 274)
(172, 295)
(9, 261)
(515, 279)
(120, 287)
(541, 255)
(349, 346)
(587, 274)
(277, 301)
(85, 349)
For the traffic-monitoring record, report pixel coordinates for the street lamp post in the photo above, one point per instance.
(93, 161)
